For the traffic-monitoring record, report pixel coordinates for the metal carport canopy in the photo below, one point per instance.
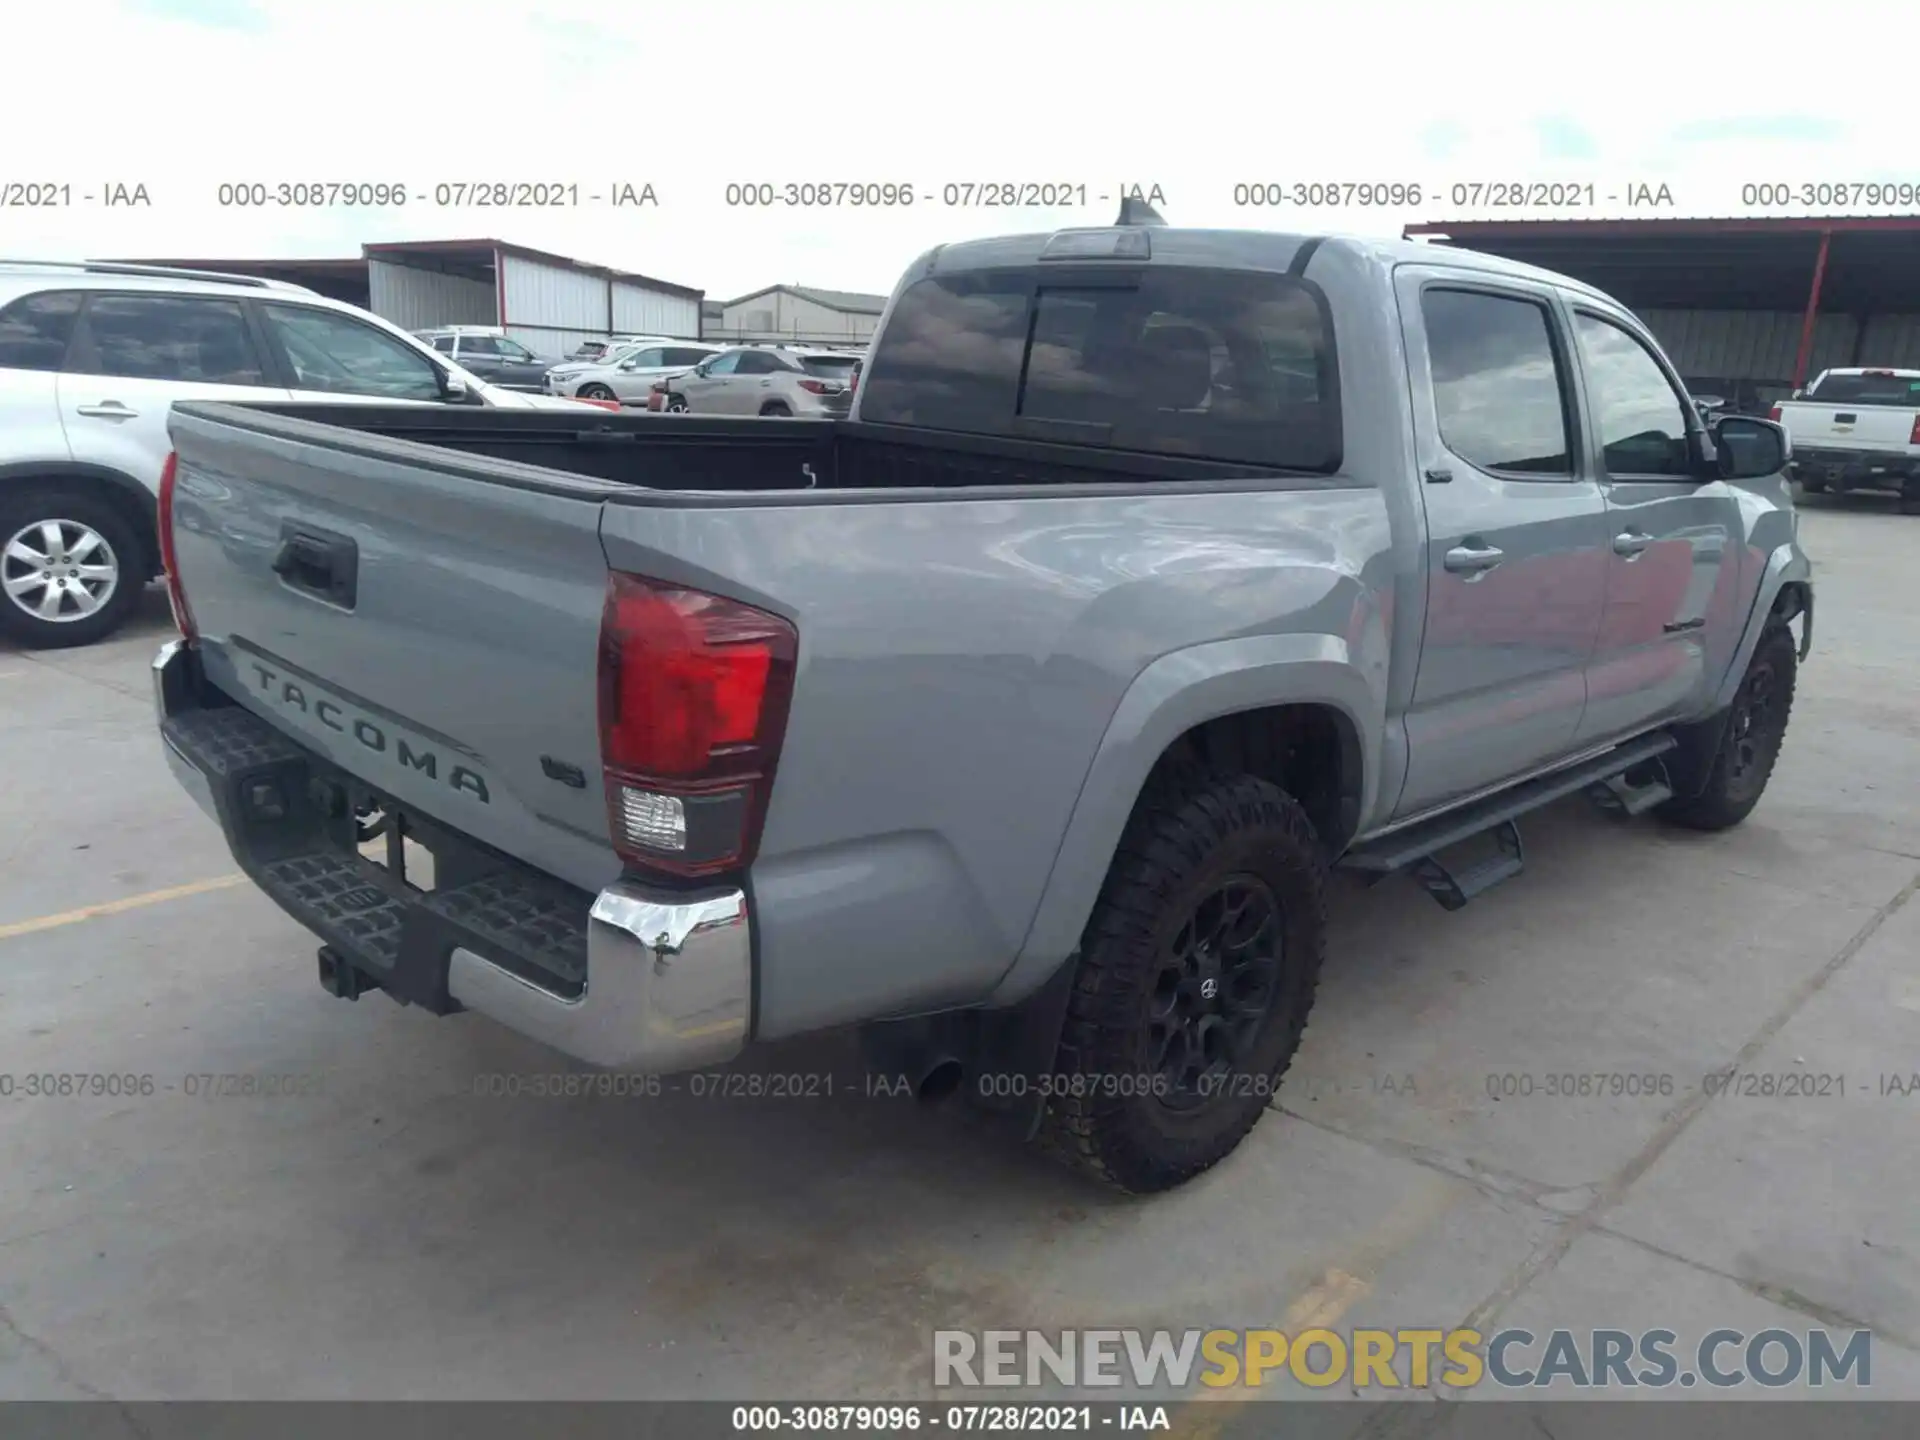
(1859, 264)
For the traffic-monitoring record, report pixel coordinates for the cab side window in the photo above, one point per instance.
(1642, 422)
(1499, 386)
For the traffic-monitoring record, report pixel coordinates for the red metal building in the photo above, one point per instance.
(1748, 308)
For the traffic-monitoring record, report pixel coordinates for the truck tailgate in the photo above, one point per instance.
(425, 620)
(1815, 425)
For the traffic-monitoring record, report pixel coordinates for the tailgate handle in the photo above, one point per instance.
(319, 563)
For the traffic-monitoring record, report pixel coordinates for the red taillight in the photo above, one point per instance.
(1913, 435)
(589, 400)
(821, 387)
(169, 560)
(693, 706)
(1774, 414)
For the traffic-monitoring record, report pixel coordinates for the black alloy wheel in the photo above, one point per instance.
(1214, 991)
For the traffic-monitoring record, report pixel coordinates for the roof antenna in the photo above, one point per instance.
(1134, 210)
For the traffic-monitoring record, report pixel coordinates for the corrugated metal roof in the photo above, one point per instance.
(851, 302)
(475, 250)
(1665, 225)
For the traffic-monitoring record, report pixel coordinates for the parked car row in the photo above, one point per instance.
(492, 354)
(92, 358)
(627, 371)
(695, 377)
(774, 380)
(665, 373)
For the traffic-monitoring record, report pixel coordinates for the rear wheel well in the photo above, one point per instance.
(1310, 751)
(128, 499)
(1791, 601)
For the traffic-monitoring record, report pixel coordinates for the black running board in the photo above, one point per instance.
(1414, 850)
(1627, 794)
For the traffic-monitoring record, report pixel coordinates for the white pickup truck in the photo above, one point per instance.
(1856, 430)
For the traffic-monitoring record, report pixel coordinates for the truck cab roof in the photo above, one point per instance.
(1220, 249)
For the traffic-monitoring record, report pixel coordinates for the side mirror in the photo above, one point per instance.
(1749, 448)
(702, 368)
(1799, 394)
(452, 389)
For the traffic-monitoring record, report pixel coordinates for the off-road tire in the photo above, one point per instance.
(32, 505)
(1735, 782)
(1181, 843)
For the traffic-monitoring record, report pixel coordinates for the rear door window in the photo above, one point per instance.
(168, 337)
(1499, 388)
(35, 329)
(1216, 365)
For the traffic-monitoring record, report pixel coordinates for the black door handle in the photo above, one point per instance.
(319, 563)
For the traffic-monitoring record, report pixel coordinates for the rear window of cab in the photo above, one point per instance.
(1203, 364)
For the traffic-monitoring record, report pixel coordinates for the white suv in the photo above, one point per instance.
(628, 375)
(92, 358)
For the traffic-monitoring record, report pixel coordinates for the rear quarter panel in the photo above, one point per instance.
(962, 662)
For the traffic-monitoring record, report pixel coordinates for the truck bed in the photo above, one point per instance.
(723, 454)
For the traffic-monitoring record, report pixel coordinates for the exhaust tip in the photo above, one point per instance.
(939, 1082)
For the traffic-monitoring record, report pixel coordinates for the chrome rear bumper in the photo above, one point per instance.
(669, 976)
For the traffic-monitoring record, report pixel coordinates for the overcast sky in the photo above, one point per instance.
(182, 95)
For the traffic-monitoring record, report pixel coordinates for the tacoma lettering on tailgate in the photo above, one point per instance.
(380, 739)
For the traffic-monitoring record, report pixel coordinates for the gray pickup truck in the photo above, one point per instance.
(1017, 719)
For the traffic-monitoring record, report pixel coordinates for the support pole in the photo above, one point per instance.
(1805, 355)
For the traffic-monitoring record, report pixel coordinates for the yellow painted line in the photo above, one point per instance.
(119, 907)
(1322, 1304)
